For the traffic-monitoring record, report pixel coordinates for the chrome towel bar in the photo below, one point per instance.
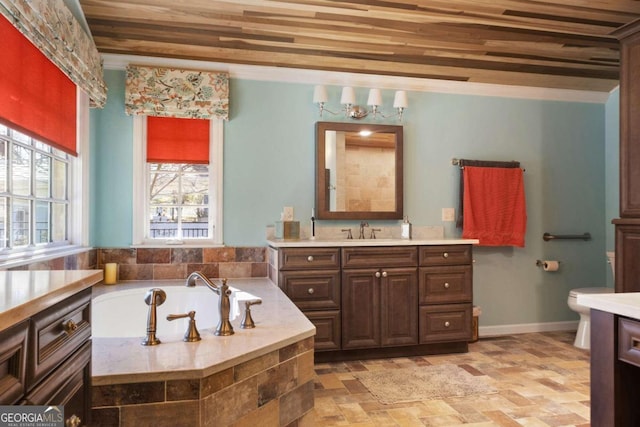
(548, 236)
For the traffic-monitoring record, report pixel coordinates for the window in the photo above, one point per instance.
(179, 203)
(34, 192)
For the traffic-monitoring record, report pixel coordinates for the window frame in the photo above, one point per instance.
(141, 192)
(78, 176)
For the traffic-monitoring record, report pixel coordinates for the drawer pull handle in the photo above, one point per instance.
(69, 326)
(73, 421)
(446, 285)
(445, 255)
(447, 324)
(384, 274)
(311, 291)
(310, 258)
(377, 274)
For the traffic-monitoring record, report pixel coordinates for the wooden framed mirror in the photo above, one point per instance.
(358, 171)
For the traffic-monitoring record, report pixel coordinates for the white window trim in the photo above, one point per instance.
(78, 214)
(140, 186)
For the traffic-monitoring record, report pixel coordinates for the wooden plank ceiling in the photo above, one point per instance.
(540, 43)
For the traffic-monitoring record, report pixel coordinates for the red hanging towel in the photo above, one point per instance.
(494, 206)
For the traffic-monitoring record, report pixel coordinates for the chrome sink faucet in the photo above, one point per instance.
(224, 327)
(363, 224)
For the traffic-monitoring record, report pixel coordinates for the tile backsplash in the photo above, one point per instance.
(178, 263)
(164, 263)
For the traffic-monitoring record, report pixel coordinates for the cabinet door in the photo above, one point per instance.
(627, 267)
(399, 306)
(327, 325)
(360, 309)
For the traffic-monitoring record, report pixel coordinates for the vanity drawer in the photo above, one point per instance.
(446, 322)
(441, 285)
(379, 257)
(328, 329)
(629, 341)
(13, 363)
(56, 333)
(309, 258)
(445, 255)
(312, 290)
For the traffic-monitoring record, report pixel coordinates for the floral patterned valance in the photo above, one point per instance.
(169, 92)
(53, 29)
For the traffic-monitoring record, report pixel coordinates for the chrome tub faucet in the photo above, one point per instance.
(224, 327)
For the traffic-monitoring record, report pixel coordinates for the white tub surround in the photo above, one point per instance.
(25, 293)
(615, 357)
(123, 360)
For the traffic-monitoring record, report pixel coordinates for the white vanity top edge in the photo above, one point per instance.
(623, 304)
(319, 243)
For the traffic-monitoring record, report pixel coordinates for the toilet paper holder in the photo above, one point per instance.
(540, 263)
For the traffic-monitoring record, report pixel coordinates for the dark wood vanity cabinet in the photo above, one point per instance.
(311, 279)
(47, 359)
(380, 300)
(446, 293)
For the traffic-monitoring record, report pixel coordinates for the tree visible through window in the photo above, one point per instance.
(179, 201)
(34, 200)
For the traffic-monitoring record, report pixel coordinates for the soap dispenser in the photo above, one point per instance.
(405, 231)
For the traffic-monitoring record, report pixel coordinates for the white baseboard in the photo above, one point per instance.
(523, 328)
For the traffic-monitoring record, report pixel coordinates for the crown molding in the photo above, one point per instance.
(303, 76)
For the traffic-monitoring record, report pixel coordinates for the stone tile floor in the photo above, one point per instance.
(542, 380)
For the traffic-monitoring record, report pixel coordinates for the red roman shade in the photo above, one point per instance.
(36, 98)
(173, 140)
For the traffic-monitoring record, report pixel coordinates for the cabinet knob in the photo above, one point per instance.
(378, 274)
(384, 274)
(445, 255)
(310, 258)
(69, 326)
(447, 324)
(446, 285)
(310, 291)
(73, 421)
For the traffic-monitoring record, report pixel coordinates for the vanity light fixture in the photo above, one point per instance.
(350, 109)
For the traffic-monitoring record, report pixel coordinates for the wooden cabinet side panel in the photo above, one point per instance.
(13, 363)
(627, 266)
(360, 309)
(630, 127)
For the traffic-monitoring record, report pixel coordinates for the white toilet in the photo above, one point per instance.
(583, 339)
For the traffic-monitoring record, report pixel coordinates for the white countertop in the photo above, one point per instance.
(320, 243)
(25, 293)
(278, 323)
(624, 304)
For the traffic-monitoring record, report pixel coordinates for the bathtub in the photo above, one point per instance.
(193, 380)
(123, 313)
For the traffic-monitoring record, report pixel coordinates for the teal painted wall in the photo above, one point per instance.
(111, 151)
(268, 164)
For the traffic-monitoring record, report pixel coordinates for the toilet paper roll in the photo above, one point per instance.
(550, 265)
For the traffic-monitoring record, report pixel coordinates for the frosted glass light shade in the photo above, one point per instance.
(400, 100)
(348, 95)
(375, 98)
(320, 94)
